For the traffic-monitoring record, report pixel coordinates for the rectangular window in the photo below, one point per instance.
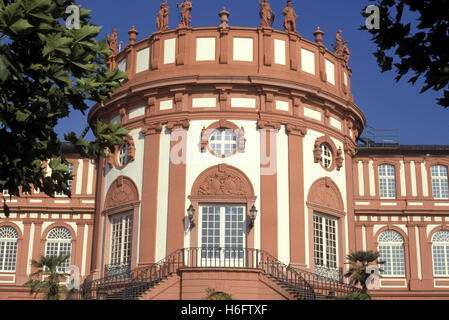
(393, 255)
(440, 260)
(121, 239)
(222, 234)
(325, 245)
(8, 254)
(69, 182)
(387, 182)
(56, 248)
(440, 182)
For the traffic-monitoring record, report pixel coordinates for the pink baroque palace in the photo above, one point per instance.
(244, 172)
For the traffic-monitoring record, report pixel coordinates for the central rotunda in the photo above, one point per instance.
(237, 171)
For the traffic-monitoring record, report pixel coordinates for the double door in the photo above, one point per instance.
(222, 235)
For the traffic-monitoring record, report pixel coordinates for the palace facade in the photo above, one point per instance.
(242, 172)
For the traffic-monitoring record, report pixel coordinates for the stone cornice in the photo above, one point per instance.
(299, 90)
(295, 130)
(151, 129)
(178, 125)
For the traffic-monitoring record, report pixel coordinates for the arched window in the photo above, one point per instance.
(8, 248)
(440, 253)
(439, 182)
(387, 181)
(391, 250)
(223, 141)
(59, 241)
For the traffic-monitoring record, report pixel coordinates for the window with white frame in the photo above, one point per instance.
(123, 157)
(69, 182)
(387, 181)
(59, 242)
(325, 245)
(5, 192)
(8, 249)
(391, 250)
(439, 182)
(440, 253)
(121, 239)
(223, 141)
(222, 231)
(326, 155)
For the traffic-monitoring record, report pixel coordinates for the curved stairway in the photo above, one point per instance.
(130, 285)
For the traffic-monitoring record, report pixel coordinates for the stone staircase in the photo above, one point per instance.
(139, 283)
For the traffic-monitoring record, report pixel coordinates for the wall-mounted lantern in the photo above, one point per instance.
(252, 217)
(190, 215)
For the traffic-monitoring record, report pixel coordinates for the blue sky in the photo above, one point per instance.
(386, 104)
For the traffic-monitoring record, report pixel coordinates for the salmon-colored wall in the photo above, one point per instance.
(39, 212)
(191, 284)
(415, 216)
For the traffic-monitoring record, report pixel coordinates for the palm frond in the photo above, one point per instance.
(48, 278)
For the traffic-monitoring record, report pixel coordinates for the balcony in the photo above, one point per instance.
(111, 270)
(329, 273)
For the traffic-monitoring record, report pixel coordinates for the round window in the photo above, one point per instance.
(123, 157)
(326, 156)
(223, 142)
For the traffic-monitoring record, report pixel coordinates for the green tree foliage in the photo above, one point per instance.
(47, 279)
(358, 261)
(46, 69)
(211, 294)
(419, 48)
(355, 296)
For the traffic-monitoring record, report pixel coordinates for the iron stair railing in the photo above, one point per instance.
(302, 284)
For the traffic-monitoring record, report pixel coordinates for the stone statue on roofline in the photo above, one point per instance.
(266, 14)
(289, 18)
(112, 42)
(185, 13)
(341, 48)
(339, 44)
(346, 52)
(162, 17)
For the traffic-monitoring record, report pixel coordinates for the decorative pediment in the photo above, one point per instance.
(222, 180)
(122, 191)
(325, 192)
